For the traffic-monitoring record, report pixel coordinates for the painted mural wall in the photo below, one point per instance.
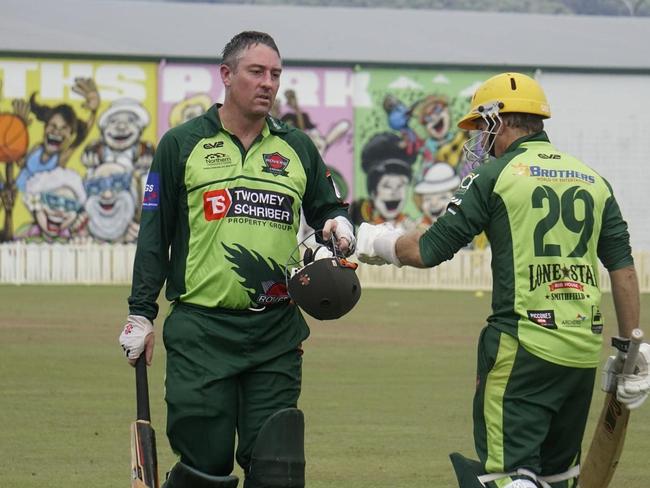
(77, 139)
(76, 142)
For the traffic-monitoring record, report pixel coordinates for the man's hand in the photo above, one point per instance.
(633, 389)
(376, 244)
(343, 233)
(137, 337)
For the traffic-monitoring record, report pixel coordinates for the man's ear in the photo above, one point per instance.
(226, 74)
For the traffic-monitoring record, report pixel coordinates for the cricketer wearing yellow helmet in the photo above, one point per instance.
(550, 219)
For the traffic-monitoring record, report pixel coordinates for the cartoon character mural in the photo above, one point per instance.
(434, 191)
(64, 104)
(388, 168)
(419, 107)
(188, 108)
(14, 140)
(63, 130)
(56, 200)
(112, 203)
(121, 126)
(432, 114)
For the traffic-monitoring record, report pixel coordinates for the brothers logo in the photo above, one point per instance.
(539, 172)
(249, 203)
(275, 164)
(545, 318)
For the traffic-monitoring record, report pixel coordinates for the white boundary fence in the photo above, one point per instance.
(91, 263)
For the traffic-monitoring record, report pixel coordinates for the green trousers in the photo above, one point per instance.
(528, 413)
(226, 373)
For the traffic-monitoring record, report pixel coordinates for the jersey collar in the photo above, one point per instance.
(272, 125)
(536, 137)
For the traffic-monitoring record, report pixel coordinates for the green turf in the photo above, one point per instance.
(387, 391)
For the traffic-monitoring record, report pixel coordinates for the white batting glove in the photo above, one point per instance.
(376, 244)
(132, 338)
(342, 230)
(633, 389)
(613, 367)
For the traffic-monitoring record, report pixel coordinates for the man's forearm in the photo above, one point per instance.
(407, 249)
(625, 291)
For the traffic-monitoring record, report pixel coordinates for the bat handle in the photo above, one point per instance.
(636, 338)
(142, 389)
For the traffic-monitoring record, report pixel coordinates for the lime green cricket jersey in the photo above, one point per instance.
(219, 223)
(549, 219)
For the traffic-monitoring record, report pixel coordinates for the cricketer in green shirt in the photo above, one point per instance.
(229, 216)
(547, 293)
(219, 224)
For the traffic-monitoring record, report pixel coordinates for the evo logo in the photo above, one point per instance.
(213, 145)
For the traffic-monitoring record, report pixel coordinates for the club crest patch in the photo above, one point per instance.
(275, 163)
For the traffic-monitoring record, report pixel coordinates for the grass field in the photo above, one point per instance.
(387, 391)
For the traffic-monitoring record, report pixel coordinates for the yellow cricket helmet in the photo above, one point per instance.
(513, 92)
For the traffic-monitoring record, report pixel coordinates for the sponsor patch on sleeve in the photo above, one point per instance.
(151, 198)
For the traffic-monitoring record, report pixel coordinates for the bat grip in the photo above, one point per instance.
(142, 389)
(636, 338)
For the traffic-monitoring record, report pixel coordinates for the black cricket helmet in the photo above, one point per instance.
(325, 288)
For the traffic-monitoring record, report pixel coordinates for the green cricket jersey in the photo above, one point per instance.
(549, 219)
(219, 223)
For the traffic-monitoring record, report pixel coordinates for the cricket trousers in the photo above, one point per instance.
(216, 396)
(528, 412)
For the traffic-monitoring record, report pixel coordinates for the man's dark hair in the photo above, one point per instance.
(242, 41)
(530, 123)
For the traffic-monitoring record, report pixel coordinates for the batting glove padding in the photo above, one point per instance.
(613, 367)
(376, 244)
(132, 338)
(633, 389)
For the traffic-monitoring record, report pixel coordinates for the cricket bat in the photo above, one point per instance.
(604, 453)
(144, 459)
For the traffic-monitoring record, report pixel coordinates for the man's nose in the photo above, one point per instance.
(267, 79)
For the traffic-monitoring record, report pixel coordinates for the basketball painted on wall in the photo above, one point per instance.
(14, 138)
